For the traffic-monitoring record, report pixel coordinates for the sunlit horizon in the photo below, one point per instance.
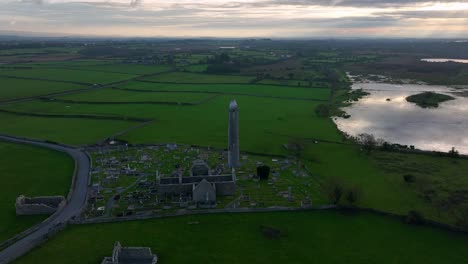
(241, 18)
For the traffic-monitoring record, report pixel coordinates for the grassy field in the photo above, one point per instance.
(197, 68)
(122, 68)
(439, 182)
(31, 171)
(17, 88)
(301, 237)
(187, 77)
(74, 131)
(113, 95)
(69, 75)
(247, 89)
(266, 123)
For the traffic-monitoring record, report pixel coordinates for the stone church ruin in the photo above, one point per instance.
(39, 205)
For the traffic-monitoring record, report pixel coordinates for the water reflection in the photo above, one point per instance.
(444, 60)
(386, 114)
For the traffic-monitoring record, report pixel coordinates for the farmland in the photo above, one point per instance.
(67, 75)
(27, 170)
(19, 88)
(186, 77)
(236, 238)
(171, 96)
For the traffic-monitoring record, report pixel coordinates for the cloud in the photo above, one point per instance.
(355, 3)
(270, 18)
(37, 2)
(135, 3)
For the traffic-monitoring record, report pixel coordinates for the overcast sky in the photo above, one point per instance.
(239, 18)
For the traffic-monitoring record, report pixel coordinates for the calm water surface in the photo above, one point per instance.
(399, 121)
(444, 60)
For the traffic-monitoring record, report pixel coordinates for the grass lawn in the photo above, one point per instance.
(304, 237)
(31, 171)
(248, 89)
(188, 77)
(74, 131)
(17, 88)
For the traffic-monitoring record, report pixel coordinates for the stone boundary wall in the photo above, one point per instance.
(183, 212)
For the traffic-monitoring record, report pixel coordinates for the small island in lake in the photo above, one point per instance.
(428, 99)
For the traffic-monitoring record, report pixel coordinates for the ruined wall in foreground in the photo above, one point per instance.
(39, 205)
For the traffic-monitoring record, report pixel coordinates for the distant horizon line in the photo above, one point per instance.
(34, 35)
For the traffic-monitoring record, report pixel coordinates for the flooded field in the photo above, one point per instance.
(387, 115)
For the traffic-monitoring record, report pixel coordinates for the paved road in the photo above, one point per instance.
(72, 209)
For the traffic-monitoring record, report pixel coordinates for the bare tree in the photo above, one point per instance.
(334, 189)
(367, 141)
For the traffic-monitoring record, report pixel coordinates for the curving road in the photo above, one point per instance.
(76, 202)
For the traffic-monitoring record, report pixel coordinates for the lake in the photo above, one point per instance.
(399, 121)
(444, 60)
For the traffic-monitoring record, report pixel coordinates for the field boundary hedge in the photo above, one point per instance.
(222, 93)
(82, 116)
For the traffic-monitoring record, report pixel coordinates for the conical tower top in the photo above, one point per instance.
(233, 106)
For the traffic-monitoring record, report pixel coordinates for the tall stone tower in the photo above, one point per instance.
(233, 135)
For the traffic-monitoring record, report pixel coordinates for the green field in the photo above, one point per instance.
(298, 83)
(74, 131)
(304, 237)
(18, 88)
(276, 112)
(113, 95)
(266, 123)
(187, 77)
(69, 75)
(198, 68)
(31, 171)
(122, 68)
(234, 89)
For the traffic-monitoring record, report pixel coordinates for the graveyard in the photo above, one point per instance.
(124, 180)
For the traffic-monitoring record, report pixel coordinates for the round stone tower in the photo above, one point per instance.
(233, 135)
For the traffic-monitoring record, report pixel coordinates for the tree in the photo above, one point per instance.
(414, 218)
(334, 189)
(409, 178)
(337, 193)
(263, 172)
(453, 153)
(323, 110)
(353, 195)
(367, 141)
(296, 147)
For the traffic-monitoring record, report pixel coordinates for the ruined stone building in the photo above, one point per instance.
(39, 205)
(204, 194)
(130, 255)
(201, 185)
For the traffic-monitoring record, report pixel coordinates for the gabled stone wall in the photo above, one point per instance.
(39, 205)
